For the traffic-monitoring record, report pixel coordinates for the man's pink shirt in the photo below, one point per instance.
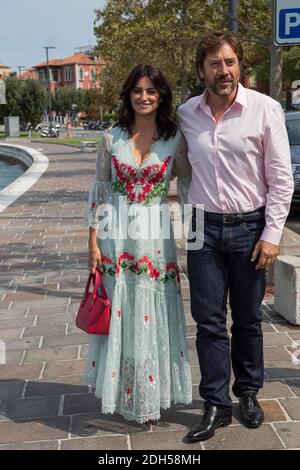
(243, 162)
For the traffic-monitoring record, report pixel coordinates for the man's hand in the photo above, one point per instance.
(267, 253)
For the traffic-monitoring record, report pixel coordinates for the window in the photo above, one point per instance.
(55, 75)
(67, 74)
(93, 75)
(81, 74)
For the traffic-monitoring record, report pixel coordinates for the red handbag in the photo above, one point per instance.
(93, 315)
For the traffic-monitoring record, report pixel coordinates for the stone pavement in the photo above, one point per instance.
(43, 269)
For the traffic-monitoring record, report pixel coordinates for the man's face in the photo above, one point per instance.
(221, 71)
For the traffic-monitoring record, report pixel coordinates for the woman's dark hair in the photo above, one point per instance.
(165, 116)
(213, 41)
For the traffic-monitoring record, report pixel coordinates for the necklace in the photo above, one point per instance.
(138, 134)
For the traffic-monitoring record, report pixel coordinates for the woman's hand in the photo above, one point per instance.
(94, 259)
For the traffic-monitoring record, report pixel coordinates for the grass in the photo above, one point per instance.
(71, 140)
(23, 135)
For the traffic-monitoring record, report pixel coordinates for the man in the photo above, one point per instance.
(29, 128)
(241, 173)
(296, 98)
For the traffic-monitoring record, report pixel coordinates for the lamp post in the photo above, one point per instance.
(48, 83)
(20, 67)
(232, 12)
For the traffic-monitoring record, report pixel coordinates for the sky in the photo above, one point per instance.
(26, 26)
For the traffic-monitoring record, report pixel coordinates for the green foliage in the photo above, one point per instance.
(162, 33)
(109, 116)
(25, 98)
(88, 101)
(167, 33)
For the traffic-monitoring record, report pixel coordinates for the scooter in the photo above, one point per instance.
(50, 132)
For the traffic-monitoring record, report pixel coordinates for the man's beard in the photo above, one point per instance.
(219, 91)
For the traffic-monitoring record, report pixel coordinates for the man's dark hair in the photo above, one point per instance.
(213, 41)
(165, 117)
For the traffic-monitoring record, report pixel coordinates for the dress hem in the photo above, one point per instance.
(143, 419)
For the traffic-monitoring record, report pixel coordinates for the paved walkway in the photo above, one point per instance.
(43, 267)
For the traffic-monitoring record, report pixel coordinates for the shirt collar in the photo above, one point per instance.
(241, 97)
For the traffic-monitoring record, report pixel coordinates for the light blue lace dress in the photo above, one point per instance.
(143, 365)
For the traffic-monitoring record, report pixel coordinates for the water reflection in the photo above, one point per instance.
(9, 171)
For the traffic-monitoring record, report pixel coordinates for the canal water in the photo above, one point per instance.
(9, 171)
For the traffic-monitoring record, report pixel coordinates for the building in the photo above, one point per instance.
(5, 71)
(28, 74)
(79, 70)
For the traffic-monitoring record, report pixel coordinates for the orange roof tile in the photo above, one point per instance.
(80, 59)
(73, 59)
(52, 62)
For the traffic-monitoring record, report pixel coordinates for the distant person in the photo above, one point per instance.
(296, 99)
(29, 128)
(2, 90)
(69, 128)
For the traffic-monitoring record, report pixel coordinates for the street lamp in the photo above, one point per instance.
(48, 83)
(232, 12)
(20, 67)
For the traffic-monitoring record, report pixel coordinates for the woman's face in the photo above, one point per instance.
(145, 98)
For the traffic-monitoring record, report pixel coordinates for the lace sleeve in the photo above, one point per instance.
(100, 191)
(183, 170)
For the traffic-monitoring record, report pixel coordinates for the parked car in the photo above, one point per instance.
(292, 120)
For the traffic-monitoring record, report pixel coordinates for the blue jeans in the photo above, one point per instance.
(224, 265)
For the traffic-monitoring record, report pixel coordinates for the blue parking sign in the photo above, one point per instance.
(287, 22)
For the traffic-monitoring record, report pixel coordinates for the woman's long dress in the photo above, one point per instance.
(143, 365)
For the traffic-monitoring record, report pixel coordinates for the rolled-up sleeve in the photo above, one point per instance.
(278, 174)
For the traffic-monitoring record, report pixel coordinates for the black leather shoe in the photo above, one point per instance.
(251, 412)
(212, 418)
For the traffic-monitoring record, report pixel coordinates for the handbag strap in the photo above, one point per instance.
(97, 281)
(100, 282)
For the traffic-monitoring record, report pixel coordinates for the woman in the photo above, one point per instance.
(142, 366)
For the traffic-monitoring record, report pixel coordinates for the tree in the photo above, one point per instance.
(63, 100)
(25, 98)
(34, 101)
(167, 33)
(162, 33)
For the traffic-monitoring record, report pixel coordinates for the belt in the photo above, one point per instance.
(233, 218)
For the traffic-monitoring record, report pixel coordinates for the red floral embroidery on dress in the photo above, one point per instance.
(143, 265)
(129, 390)
(151, 378)
(119, 314)
(145, 259)
(150, 180)
(146, 318)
